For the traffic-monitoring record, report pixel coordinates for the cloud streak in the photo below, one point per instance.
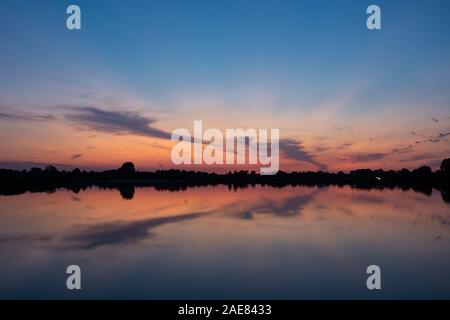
(115, 122)
(420, 157)
(367, 157)
(294, 150)
(76, 156)
(18, 115)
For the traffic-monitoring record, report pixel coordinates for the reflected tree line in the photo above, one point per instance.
(126, 179)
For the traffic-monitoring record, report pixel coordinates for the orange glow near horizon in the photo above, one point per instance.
(339, 148)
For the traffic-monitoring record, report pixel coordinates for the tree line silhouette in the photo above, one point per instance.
(126, 178)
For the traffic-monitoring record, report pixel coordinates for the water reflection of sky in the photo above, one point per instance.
(209, 242)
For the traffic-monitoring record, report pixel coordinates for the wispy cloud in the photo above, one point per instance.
(321, 149)
(403, 150)
(76, 156)
(294, 150)
(432, 137)
(367, 157)
(420, 157)
(25, 239)
(344, 146)
(21, 115)
(12, 116)
(116, 122)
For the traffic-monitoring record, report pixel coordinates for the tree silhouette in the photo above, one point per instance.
(35, 170)
(126, 170)
(50, 169)
(445, 166)
(422, 179)
(423, 170)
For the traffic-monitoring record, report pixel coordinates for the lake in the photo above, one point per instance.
(215, 242)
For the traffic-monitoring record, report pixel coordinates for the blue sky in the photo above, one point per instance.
(178, 60)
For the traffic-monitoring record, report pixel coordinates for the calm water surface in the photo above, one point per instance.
(210, 242)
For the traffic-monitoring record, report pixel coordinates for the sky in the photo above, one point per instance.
(343, 96)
